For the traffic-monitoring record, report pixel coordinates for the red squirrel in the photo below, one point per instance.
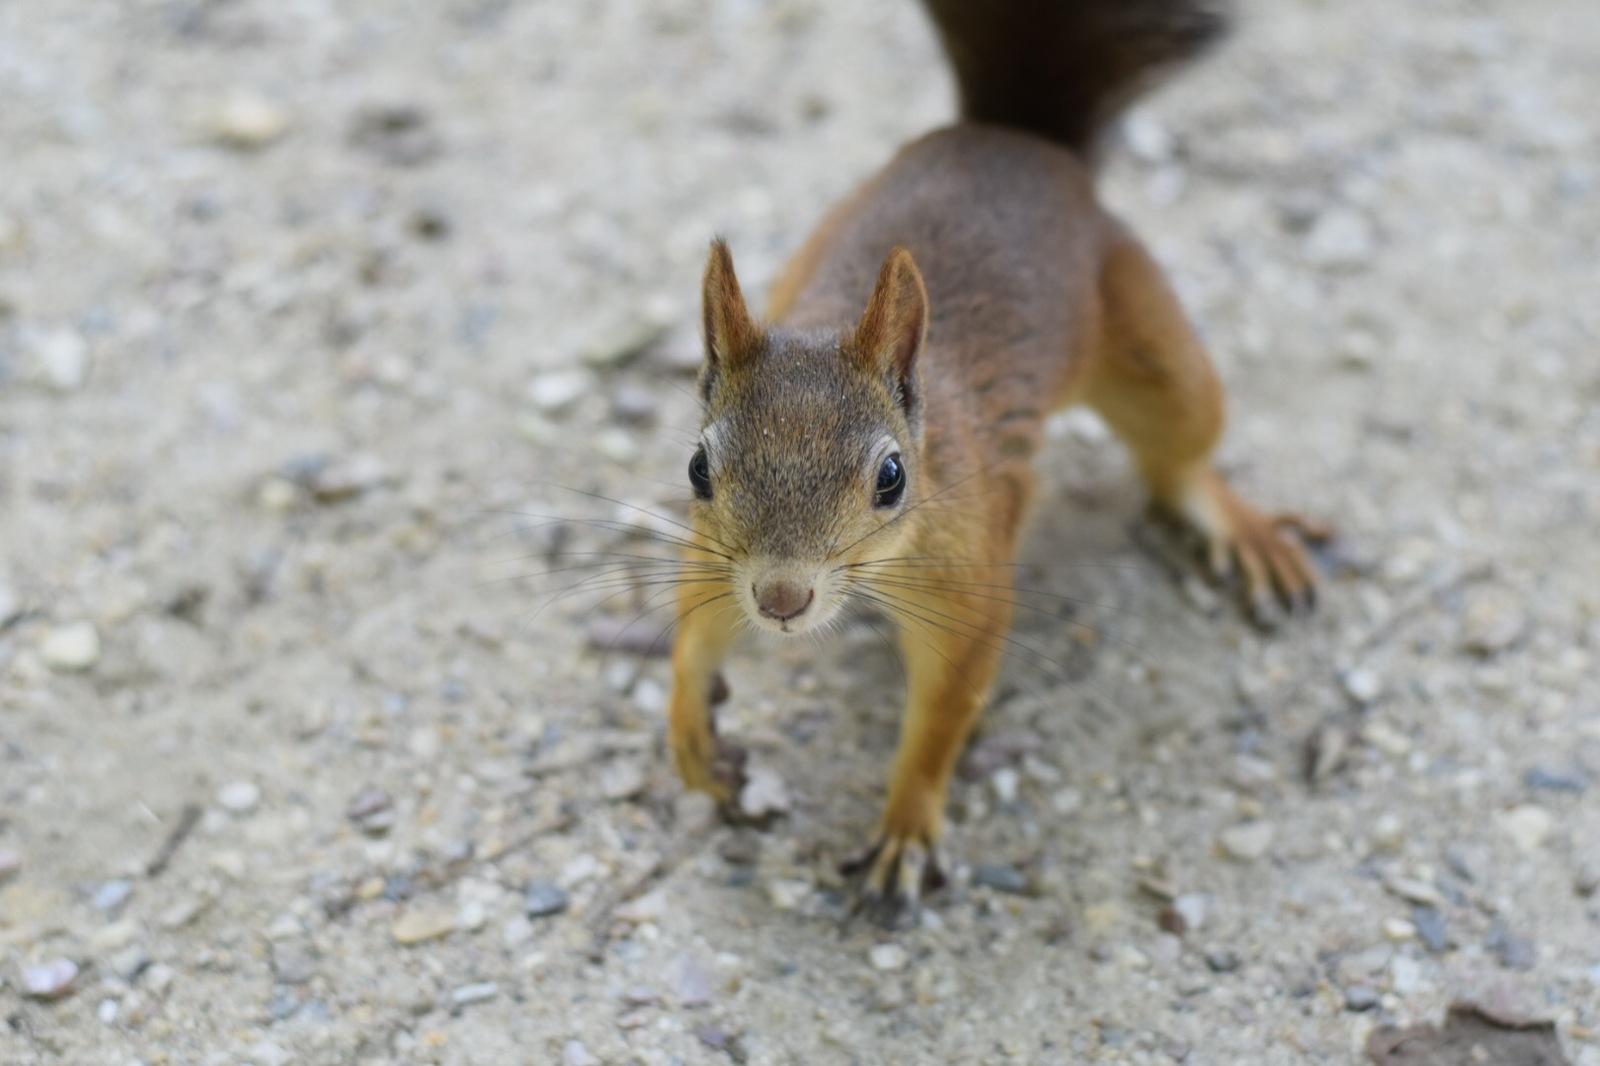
(884, 454)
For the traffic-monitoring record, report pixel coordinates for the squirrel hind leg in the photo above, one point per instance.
(1151, 380)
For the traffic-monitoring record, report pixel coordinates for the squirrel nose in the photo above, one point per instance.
(782, 601)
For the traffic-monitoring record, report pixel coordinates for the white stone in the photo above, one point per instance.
(764, 793)
(786, 893)
(1407, 975)
(575, 1054)
(650, 907)
(240, 797)
(246, 119)
(72, 648)
(1362, 685)
(63, 359)
(1398, 929)
(1528, 826)
(888, 957)
(475, 993)
(1006, 782)
(266, 1053)
(556, 391)
(1387, 739)
(1191, 907)
(1340, 239)
(1246, 842)
(623, 779)
(582, 868)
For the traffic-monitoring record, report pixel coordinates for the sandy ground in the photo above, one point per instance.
(309, 313)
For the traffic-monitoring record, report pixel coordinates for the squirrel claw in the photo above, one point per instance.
(728, 776)
(893, 873)
(1265, 553)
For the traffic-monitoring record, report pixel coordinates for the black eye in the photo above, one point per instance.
(700, 474)
(891, 482)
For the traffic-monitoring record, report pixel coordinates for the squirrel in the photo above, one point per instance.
(883, 455)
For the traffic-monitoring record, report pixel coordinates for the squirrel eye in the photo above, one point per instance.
(891, 482)
(700, 474)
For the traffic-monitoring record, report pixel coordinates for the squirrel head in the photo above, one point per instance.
(810, 453)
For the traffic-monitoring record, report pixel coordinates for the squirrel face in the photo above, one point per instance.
(810, 452)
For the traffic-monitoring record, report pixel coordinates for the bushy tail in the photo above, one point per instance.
(1065, 68)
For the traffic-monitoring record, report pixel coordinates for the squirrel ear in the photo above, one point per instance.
(729, 331)
(890, 334)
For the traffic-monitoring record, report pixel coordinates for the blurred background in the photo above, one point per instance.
(335, 338)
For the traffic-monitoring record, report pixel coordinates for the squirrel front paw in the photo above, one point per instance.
(893, 872)
(1264, 551)
(714, 766)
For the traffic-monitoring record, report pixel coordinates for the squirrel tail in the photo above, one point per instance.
(1065, 69)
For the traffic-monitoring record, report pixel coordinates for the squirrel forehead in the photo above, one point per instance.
(804, 388)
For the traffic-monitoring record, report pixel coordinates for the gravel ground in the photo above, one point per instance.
(326, 330)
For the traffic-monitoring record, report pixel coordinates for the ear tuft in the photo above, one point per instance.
(730, 334)
(892, 329)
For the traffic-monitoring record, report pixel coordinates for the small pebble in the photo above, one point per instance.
(741, 848)
(111, 895)
(423, 924)
(1586, 882)
(640, 995)
(1191, 907)
(650, 907)
(10, 864)
(1541, 779)
(249, 121)
(787, 893)
(542, 899)
(129, 963)
(1388, 832)
(634, 404)
(266, 1053)
(371, 810)
(764, 793)
(184, 912)
(1340, 239)
(1387, 739)
(474, 993)
(1398, 929)
(691, 987)
(888, 957)
(1360, 997)
(1406, 975)
(554, 392)
(1000, 877)
(1514, 952)
(49, 980)
(1006, 782)
(114, 936)
(1431, 927)
(63, 359)
(1414, 890)
(1492, 624)
(72, 648)
(1222, 960)
(159, 978)
(575, 1054)
(1246, 842)
(400, 134)
(1362, 685)
(240, 797)
(622, 779)
(1528, 826)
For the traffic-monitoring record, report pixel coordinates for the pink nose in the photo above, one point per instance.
(782, 601)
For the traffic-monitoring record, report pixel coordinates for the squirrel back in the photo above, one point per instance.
(1064, 69)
